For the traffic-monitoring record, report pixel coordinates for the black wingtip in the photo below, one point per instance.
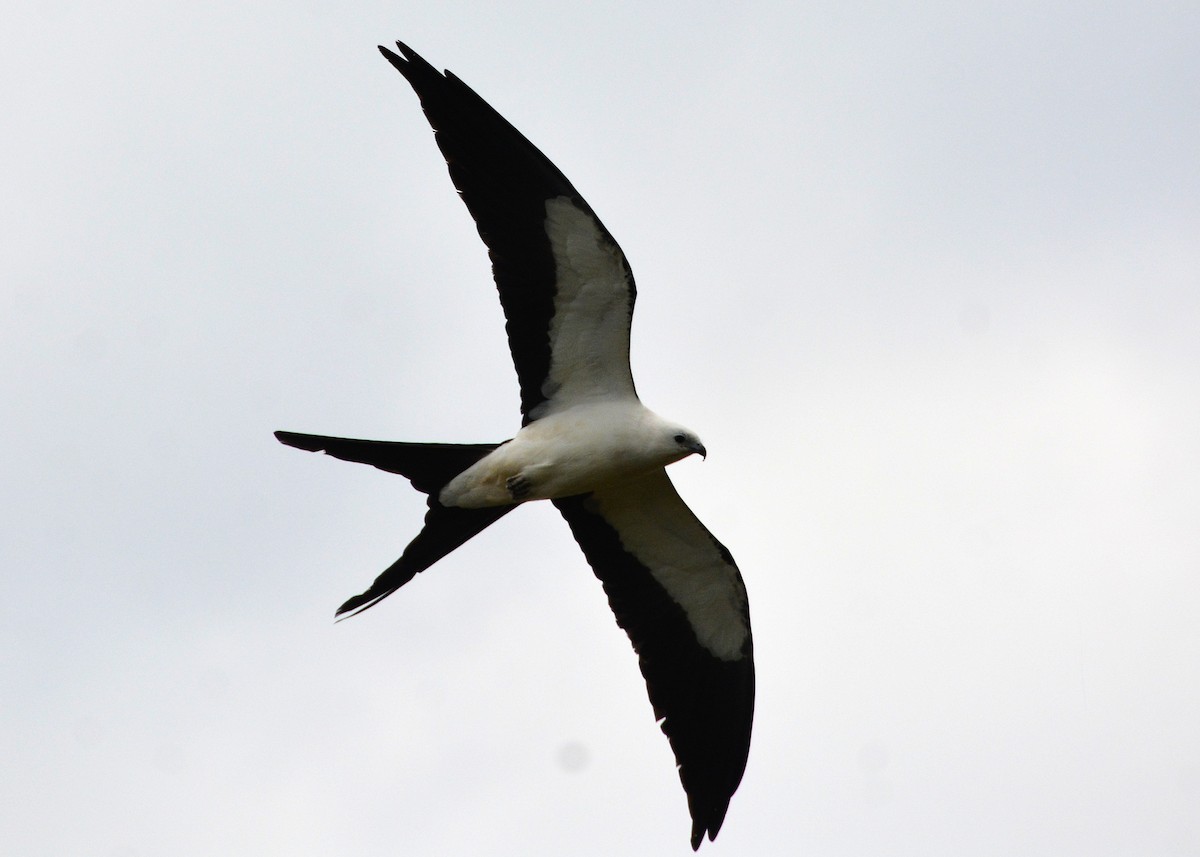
(698, 831)
(395, 59)
(405, 59)
(709, 822)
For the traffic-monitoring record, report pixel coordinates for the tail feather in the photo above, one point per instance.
(429, 466)
(446, 528)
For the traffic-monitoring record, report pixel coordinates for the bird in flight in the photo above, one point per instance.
(586, 444)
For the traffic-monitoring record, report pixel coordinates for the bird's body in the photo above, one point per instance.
(587, 444)
(572, 451)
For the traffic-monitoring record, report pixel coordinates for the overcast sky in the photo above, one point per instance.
(925, 278)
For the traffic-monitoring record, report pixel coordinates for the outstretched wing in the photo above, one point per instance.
(565, 286)
(679, 596)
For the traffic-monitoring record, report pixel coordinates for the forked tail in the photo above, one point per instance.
(429, 466)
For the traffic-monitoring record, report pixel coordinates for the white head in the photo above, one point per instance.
(663, 442)
(683, 442)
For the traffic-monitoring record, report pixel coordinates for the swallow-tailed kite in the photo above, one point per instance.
(586, 444)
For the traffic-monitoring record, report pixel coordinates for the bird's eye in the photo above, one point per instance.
(680, 438)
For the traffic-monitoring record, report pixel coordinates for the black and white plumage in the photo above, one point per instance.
(586, 443)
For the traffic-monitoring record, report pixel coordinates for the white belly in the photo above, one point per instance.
(567, 453)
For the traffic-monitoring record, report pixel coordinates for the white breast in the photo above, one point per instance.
(567, 453)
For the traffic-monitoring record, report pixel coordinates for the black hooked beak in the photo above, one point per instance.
(698, 447)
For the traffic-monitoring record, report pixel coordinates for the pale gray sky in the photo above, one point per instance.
(924, 278)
